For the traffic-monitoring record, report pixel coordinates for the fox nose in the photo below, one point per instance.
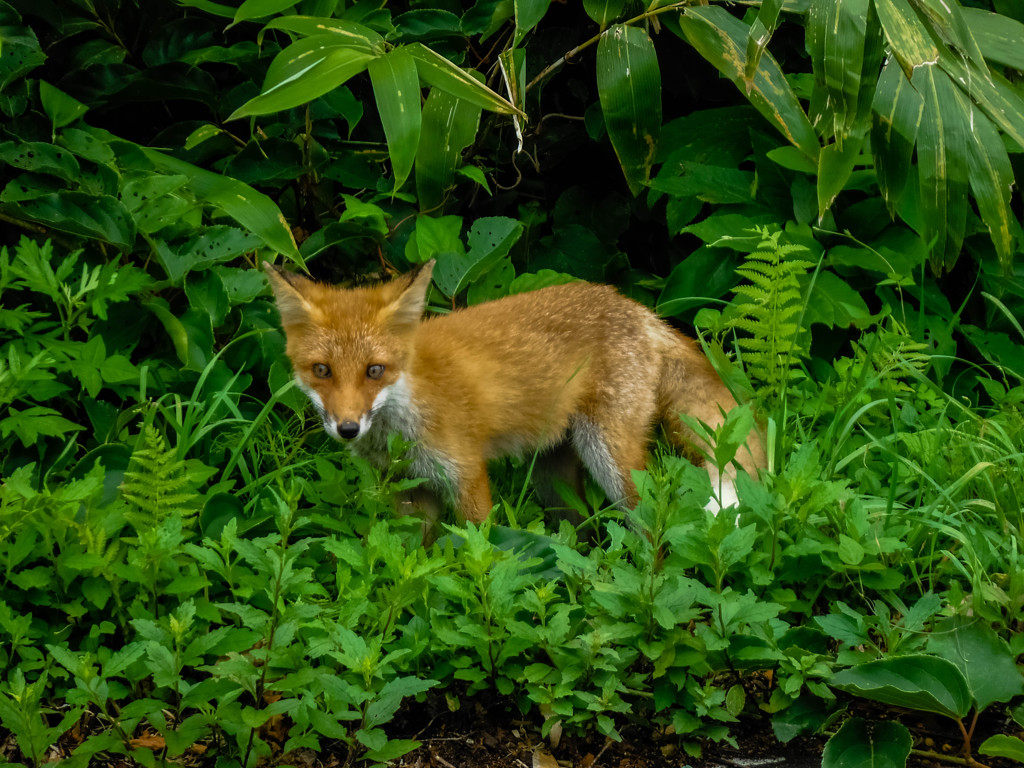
(348, 429)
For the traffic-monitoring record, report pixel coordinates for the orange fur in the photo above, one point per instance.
(576, 363)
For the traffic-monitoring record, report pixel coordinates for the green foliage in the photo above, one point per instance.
(183, 556)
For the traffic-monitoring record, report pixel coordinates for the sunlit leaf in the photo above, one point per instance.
(437, 71)
(359, 35)
(305, 70)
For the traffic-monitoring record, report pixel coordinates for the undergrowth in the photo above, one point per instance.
(211, 566)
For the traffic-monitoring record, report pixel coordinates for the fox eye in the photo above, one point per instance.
(375, 371)
(321, 371)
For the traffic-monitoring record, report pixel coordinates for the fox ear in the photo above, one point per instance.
(406, 309)
(289, 289)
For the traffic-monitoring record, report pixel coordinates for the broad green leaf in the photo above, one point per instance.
(307, 69)
(449, 126)
(20, 52)
(425, 24)
(897, 111)
(528, 14)
(437, 71)
(721, 38)
(859, 744)
(992, 180)
(1002, 745)
(257, 9)
(41, 157)
(942, 149)
(358, 35)
(96, 216)
(907, 36)
(489, 241)
(604, 12)
(629, 88)
(983, 657)
(253, 210)
(396, 88)
(999, 37)
(58, 106)
(924, 683)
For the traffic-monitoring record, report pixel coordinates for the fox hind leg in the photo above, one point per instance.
(610, 456)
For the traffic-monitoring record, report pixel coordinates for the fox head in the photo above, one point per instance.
(349, 347)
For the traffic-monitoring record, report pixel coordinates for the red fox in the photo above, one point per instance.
(575, 365)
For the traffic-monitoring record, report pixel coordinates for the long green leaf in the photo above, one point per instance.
(942, 149)
(835, 164)
(358, 35)
(908, 38)
(437, 71)
(449, 126)
(253, 210)
(396, 88)
(999, 37)
(992, 180)
(924, 683)
(897, 111)
(258, 9)
(629, 87)
(721, 38)
(761, 32)
(306, 70)
(837, 31)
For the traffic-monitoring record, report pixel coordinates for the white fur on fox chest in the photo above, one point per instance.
(393, 410)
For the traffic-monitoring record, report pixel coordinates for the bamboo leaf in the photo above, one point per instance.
(306, 70)
(761, 32)
(897, 111)
(253, 210)
(991, 179)
(629, 88)
(942, 141)
(837, 34)
(449, 126)
(721, 39)
(528, 15)
(999, 37)
(604, 12)
(360, 36)
(908, 38)
(437, 71)
(257, 9)
(396, 89)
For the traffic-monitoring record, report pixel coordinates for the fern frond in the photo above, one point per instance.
(156, 483)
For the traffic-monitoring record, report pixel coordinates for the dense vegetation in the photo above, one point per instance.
(822, 191)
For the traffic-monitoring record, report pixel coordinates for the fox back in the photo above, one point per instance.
(575, 365)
